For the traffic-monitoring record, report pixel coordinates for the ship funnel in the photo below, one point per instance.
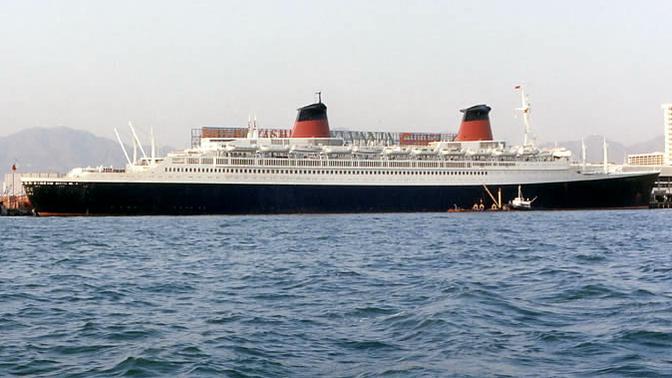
(311, 122)
(475, 124)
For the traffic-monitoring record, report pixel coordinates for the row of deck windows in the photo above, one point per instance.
(324, 172)
(348, 159)
(333, 163)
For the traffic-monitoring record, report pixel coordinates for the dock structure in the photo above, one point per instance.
(21, 210)
(13, 198)
(661, 194)
(15, 202)
(15, 205)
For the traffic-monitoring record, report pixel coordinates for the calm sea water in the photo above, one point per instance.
(540, 293)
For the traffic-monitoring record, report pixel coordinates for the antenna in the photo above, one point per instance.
(525, 109)
(151, 133)
(137, 140)
(250, 127)
(319, 97)
(605, 162)
(122, 147)
(583, 154)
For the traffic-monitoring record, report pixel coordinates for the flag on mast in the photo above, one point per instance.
(13, 167)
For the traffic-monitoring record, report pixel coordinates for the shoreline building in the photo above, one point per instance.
(650, 158)
(662, 191)
(667, 119)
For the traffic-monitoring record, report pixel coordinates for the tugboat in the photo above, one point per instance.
(520, 202)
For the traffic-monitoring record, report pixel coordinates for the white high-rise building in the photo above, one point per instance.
(667, 115)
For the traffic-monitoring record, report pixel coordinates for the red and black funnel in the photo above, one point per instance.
(311, 122)
(475, 124)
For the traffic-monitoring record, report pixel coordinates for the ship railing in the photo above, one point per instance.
(42, 175)
(487, 158)
(387, 163)
(284, 161)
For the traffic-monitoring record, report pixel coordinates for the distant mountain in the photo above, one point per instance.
(57, 149)
(617, 151)
(656, 144)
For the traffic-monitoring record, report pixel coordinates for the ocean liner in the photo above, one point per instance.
(312, 171)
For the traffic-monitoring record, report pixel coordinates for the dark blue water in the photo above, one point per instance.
(540, 293)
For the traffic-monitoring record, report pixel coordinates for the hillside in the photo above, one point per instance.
(617, 151)
(57, 149)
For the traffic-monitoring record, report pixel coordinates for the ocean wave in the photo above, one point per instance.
(338, 295)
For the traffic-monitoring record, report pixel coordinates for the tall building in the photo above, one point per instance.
(667, 115)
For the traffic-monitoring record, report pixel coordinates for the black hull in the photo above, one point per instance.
(173, 198)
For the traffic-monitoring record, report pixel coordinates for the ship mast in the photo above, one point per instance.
(252, 131)
(137, 140)
(525, 109)
(583, 154)
(135, 152)
(151, 132)
(605, 161)
(122, 147)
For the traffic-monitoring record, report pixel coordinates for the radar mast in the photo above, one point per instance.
(525, 109)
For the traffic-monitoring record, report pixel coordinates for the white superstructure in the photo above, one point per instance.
(328, 161)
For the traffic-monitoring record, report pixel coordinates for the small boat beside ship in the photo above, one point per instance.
(520, 202)
(309, 170)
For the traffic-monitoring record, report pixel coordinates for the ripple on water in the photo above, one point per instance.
(140, 366)
(589, 292)
(645, 338)
(576, 293)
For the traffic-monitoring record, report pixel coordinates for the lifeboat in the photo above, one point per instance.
(273, 148)
(392, 151)
(331, 150)
(562, 153)
(503, 153)
(526, 152)
(483, 152)
(305, 149)
(423, 152)
(453, 152)
(366, 150)
(239, 148)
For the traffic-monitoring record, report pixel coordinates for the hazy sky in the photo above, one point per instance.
(592, 67)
